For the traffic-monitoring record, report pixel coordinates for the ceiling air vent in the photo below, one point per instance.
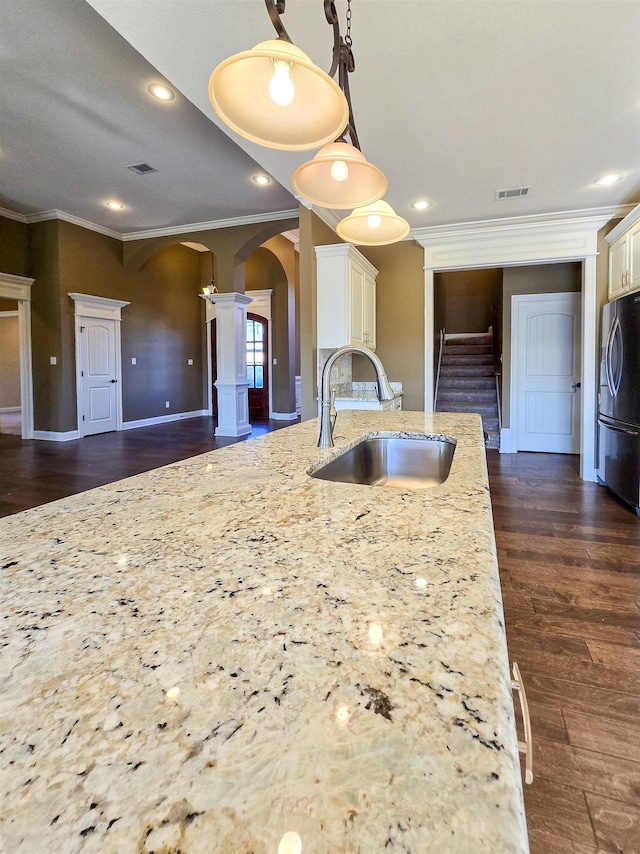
(142, 168)
(513, 193)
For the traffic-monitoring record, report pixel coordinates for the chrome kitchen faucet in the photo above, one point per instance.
(385, 392)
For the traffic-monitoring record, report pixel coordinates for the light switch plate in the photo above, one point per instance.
(53, 360)
(134, 361)
(189, 361)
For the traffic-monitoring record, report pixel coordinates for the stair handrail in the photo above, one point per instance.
(435, 394)
(498, 376)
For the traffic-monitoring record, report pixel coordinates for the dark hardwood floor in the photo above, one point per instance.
(35, 472)
(569, 556)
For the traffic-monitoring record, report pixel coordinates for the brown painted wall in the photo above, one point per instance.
(468, 299)
(51, 411)
(535, 279)
(162, 328)
(313, 232)
(400, 317)
(9, 360)
(14, 247)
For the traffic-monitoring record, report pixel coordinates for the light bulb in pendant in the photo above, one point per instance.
(281, 88)
(339, 170)
(374, 220)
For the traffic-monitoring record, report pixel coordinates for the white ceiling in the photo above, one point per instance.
(453, 100)
(75, 112)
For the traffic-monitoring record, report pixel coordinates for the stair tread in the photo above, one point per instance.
(463, 349)
(466, 371)
(465, 393)
(466, 406)
(470, 339)
(467, 383)
(466, 359)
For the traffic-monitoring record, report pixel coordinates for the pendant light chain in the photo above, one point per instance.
(347, 39)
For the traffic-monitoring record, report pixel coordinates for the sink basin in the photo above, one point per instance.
(406, 462)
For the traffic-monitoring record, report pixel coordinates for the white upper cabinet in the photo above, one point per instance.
(346, 297)
(624, 255)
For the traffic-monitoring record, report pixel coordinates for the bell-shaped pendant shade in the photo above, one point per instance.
(339, 176)
(275, 96)
(373, 225)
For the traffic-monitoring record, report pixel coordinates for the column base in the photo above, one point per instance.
(233, 410)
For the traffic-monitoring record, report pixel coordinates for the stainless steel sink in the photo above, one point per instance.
(407, 462)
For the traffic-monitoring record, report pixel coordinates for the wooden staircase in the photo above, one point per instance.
(467, 381)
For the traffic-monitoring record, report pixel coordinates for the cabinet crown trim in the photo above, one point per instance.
(345, 250)
(624, 225)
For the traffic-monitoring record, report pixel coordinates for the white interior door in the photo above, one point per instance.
(547, 370)
(98, 376)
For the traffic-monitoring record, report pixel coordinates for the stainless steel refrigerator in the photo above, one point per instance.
(619, 399)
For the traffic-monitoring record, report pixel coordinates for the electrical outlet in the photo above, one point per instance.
(275, 361)
(134, 361)
(166, 403)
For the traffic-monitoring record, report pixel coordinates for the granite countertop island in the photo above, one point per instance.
(227, 655)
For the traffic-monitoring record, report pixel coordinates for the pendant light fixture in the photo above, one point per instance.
(274, 95)
(340, 176)
(211, 288)
(373, 225)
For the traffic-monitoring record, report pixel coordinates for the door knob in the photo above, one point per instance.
(113, 381)
(575, 386)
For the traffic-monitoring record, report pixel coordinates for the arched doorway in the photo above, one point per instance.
(258, 374)
(257, 343)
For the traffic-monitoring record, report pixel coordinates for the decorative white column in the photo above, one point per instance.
(231, 358)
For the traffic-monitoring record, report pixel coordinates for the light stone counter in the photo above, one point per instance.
(187, 663)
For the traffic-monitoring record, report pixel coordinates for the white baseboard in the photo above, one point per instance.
(284, 416)
(52, 436)
(507, 441)
(163, 419)
(5, 409)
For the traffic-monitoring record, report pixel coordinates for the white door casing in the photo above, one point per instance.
(518, 241)
(19, 288)
(545, 371)
(98, 363)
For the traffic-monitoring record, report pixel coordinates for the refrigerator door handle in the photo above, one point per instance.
(618, 429)
(617, 334)
(607, 360)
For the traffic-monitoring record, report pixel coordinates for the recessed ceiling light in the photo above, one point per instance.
(421, 204)
(608, 179)
(161, 92)
(115, 206)
(261, 179)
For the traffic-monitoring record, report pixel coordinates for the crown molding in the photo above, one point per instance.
(630, 220)
(44, 216)
(584, 216)
(294, 237)
(18, 217)
(274, 216)
(330, 218)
